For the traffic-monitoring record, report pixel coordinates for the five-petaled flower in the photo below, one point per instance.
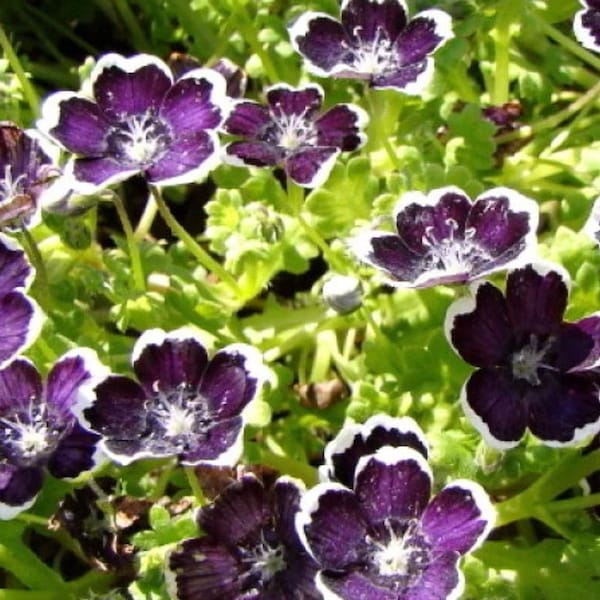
(354, 441)
(39, 429)
(250, 550)
(132, 118)
(444, 237)
(21, 316)
(534, 369)
(374, 41)
(290, 133)
(184, 405)
(28, 176)
(385, 539)
(586, 25)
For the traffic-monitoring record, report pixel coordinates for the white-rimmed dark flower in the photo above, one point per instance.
(133, 118)
(444, 237)
(354, 441)
(586, 25)
(291, 133)
(184, 405)
(535, 370)
(39, 429)
(21, 316)
(27, 175)
(250, 550)
(385, 539)
(375, 41)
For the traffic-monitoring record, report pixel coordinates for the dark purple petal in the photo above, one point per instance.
(219, 444)
(126, 87)
(238, 514)
(310, 167)
(19, 151)
(119, 410)
(564, 409)
(352, 442)
(536, 299)
(586, 26)
(394, 483)
(389, 253)
(410, 79)
(248, 119)
(591, 327)
(203, 568)
(66, 378)
(21, 323)
(423, 221)
(19, 383)
(322, 40)
(440, 580)
(422, 36)
(253, 154)
(494, 404)
(18, 488)
(499, 230)
(74, 454)
(79, 124)
(232, 379)
(165, 361)
(15, 270)
(458, 518)
(188, 159)
(341, 127)
(331, 524)
(189, 106)
(572, 348)
(234, 76)
(286, 504)
(354, 584)
(285, 101)
(367, 20)
(479, 329)
(101, 171)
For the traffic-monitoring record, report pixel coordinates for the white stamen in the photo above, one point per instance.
(375, 57)
(526, 362)
(295, 130)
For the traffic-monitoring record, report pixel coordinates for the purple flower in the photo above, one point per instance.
(132, 118)
(291, 134)
(385, 539)
(444, 237)
(586, 25)
(21, 316)
(375, 41)
(39, 429)
(354, 441)
(251, 549)
(534, 369)
(27, 176)
(184, 405)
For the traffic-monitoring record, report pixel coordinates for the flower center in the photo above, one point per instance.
(402, 553)
(526, 362)
(265, 559)
(140, 139)
(374, 57)
(29, 434)
(294, 131)
(182, 413)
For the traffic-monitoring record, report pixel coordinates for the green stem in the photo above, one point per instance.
(204, 258)
(190, 473)
(139, 280)
(566, 42)
(554, 120)
(296, 201)
(288, 466)
(37, 261)
(137, 35)
(504, 17)
(145, 223)
(573, 503)
(15, 63)
(28, 568)
(163, 481)
(8, 594)
(378, 109)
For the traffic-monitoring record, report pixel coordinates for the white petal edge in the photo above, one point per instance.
(303, 88)
(324, 590)
(582, 33)
(443, 24)
(322, 174)
(8, 511)
(402, 425)
(591, 227)
(89, 188)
